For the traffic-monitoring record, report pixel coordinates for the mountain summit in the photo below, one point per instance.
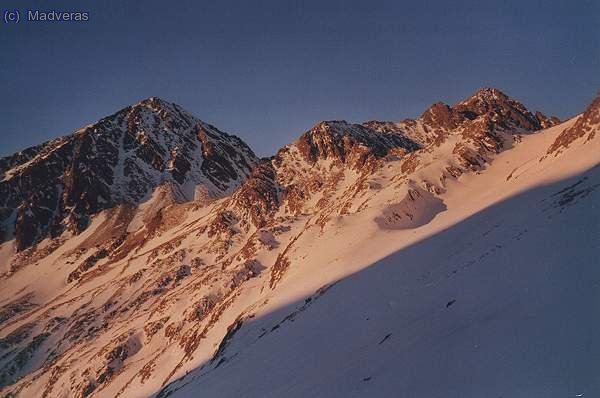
(122, 158)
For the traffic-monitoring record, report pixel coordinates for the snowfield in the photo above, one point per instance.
(455, 255)
(495, 297)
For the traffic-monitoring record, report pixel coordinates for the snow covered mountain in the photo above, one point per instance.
(120, 159)
(453, 255)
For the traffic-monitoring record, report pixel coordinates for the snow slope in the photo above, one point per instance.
(452, 255)
(494, 297)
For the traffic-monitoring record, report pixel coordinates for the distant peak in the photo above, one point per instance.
(490, 93)
(331, 124)
(438, 107)
(486, 97)
(490, 103)
(154, 101)
(158, 105)
(329, 127)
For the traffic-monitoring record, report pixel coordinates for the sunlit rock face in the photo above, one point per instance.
(586, 127)
(151, 253)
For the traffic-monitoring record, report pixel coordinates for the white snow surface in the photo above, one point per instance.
(485, 285)
(496, 296)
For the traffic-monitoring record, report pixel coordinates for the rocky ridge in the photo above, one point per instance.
(163, 294)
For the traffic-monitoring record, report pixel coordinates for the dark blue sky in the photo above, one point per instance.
(269, 70)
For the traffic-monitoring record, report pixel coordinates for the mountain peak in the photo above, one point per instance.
(340, 140)
(490, 94)
(486, 99)
(154, 101)
(123, 158)
(499, 109)
(160, 106)
(335, 126)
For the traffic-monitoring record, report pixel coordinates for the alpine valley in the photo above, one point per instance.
(151, 254)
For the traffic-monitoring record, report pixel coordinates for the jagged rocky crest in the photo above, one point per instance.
(587, 126)
(480, 116)
(481, 126)
(123, 158)
(352, 145)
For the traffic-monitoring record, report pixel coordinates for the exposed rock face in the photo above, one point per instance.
(481, 126)
(314, 166)
(478, 118)
(259, 196)
(349, 144)
(311, 170)
(442, 116)
(136, 300)
(310, 167)
(545, 121)
(588, 125)
(121, 159)
(498, 108)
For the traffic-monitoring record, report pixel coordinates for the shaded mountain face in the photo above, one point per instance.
(143, 296)
(120, 159)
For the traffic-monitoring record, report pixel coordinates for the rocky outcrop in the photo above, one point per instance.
(587, 126)
(479, 118)
(258, 198)
(503, 111)
(545, 121)
(352, 145)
